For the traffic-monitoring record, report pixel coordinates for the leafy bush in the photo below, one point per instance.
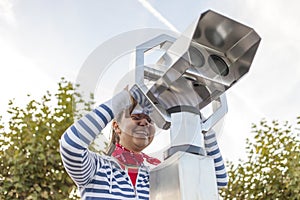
(272, 170)
(30, 162)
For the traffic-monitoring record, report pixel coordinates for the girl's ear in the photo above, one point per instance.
(116, 128)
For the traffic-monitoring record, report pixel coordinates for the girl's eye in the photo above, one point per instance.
(149, 119)
(135, 117)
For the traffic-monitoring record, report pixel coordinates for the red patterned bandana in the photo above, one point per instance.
(129, 158)
(131, 161)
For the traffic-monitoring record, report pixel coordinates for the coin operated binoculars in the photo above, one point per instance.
(192, 74)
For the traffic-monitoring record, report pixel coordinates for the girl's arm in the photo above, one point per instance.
(212, 149)
(79, 162)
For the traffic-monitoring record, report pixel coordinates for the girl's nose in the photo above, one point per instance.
(143, 122)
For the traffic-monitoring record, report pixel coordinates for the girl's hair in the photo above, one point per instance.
(115, 139)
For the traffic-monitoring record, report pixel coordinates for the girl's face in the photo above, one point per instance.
(136, 131)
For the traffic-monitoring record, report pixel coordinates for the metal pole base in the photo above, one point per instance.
(184, 176)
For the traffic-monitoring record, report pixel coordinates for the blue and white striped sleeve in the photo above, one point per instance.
(79, 162)
(212, 149)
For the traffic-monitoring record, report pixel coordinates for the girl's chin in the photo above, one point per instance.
(142, 142)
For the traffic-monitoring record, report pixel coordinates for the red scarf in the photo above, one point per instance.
(131, 161)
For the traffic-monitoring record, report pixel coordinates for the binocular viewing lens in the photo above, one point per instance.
(218, 65)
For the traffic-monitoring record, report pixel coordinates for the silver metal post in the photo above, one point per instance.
(194, 72)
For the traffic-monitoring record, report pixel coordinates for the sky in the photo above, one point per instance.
(42, 41)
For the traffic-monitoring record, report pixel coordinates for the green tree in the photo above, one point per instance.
(30, 162)
(272, 169)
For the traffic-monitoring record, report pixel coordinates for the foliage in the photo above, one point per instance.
(30, 162)
(272, 169)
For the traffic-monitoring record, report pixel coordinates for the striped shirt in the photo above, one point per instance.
(101, 177)
(212, 149)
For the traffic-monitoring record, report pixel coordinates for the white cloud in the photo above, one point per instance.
(20, 76)
(6, 12)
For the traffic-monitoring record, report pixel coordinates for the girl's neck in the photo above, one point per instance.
(127, 149)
